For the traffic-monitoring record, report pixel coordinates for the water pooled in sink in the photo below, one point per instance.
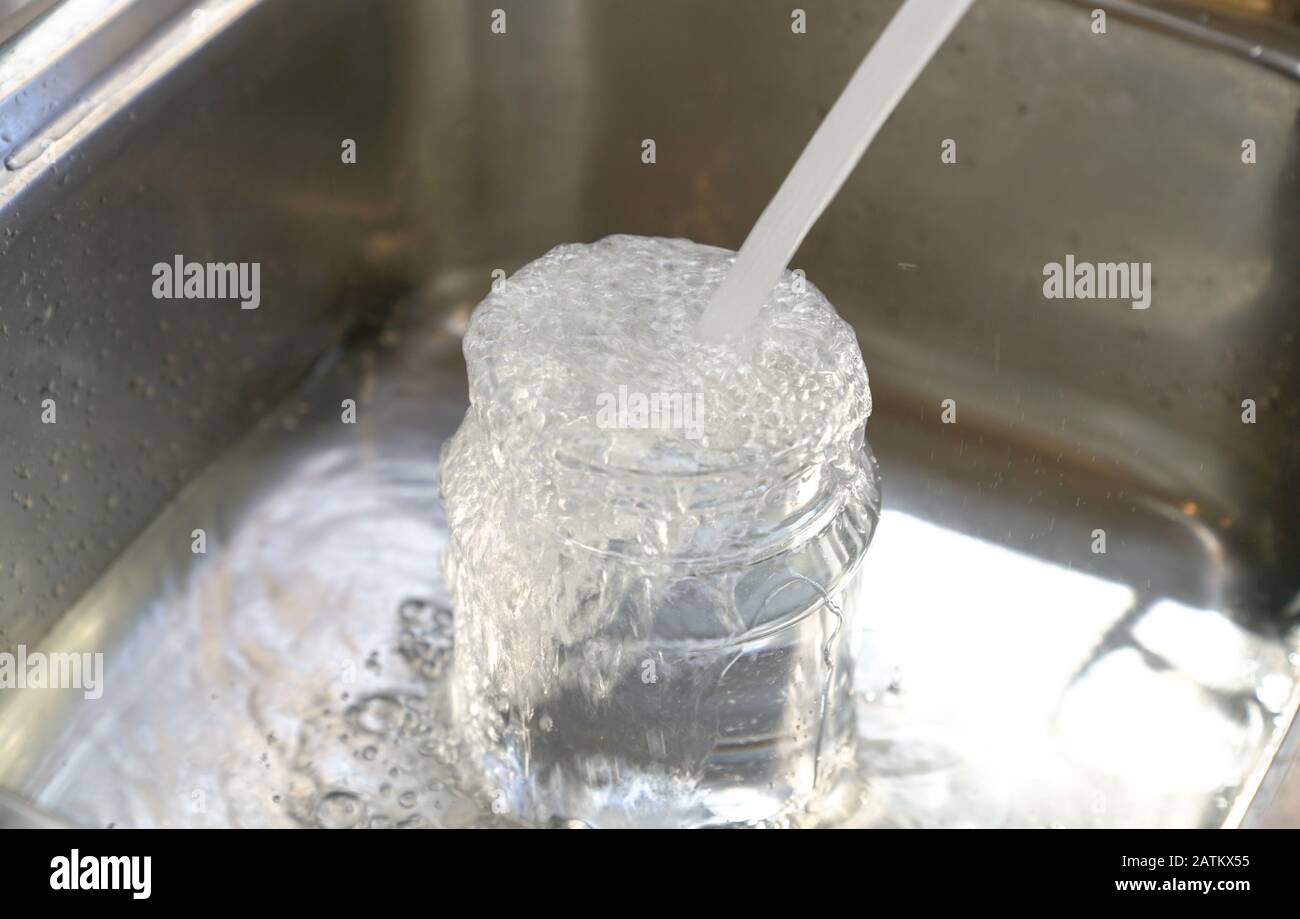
(300, 672)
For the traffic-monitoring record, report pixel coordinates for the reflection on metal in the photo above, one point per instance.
(994, 687)
(1271, 38)
(481, 154)
(18, 814)
(16, 15)
(86, 62)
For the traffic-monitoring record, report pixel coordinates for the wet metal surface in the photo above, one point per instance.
(1011, 674)
(994, 687)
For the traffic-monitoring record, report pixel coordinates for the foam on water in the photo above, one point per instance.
(584, 319)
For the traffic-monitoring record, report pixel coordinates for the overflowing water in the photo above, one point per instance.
(646, 609)
(653, 554)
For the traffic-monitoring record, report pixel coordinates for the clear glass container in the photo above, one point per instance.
(657, 635)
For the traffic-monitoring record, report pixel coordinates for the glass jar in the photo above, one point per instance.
(642, 641)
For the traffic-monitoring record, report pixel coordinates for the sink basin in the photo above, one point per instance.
(1010, 672)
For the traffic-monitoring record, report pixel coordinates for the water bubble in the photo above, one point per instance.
(421, 613)
(339, 810)
(1273, 692)
(378, 714)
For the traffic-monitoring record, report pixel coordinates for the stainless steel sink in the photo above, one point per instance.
(1009, 674)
